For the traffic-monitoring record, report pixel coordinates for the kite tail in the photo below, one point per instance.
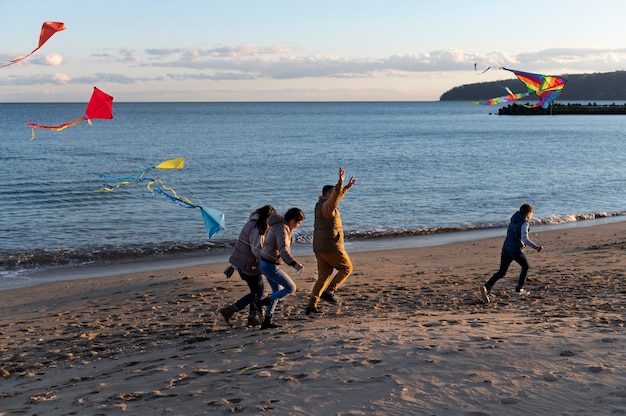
(476, 69)
(55, 128)
(110, 188)
(16, 60)
(212, 218)
(171, 195)
(504, 99)
(123, 181)
(485, 70)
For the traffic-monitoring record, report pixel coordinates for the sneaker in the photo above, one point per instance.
(312, 310)
(522, 292)
(484, 293)
(229, 271)
(330, 298)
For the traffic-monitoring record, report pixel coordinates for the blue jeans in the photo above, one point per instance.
(279, 281)
(255, 283)
(506, 259)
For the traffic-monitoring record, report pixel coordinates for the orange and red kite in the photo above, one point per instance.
(47, 30)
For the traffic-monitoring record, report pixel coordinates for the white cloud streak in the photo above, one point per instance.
(280, 62)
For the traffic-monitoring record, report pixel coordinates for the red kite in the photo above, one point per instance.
(100, 106)
(47, 30)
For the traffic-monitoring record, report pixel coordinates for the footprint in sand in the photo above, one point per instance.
(550, 378)
(510, 400)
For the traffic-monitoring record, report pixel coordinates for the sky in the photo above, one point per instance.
(296, 50)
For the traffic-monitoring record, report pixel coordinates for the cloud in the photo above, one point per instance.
(121, 55)
(101, 78)
(164, 52)
(65, 79)
(61, 78)
(218, 76)
(51, 59)
(280, 62)
(54, 59)
(272, 63)
(39, 79)
(128, 55)
(575, 59)
(245, 50)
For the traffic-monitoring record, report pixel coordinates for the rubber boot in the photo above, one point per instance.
(228, 313)
(267, 323)
(254, 320)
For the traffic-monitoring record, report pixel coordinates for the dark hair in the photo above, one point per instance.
(526, 209)
(294, 214)
(264, 213)
(327, 188)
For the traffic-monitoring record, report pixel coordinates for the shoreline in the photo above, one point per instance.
(412, 337)
(34, 277)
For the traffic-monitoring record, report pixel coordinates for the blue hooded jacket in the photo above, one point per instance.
(513, 242)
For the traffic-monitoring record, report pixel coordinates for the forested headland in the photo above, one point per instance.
(607, 86)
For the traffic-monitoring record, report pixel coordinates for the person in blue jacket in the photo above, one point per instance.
(513, 251)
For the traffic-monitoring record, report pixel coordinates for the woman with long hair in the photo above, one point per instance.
(245, 259)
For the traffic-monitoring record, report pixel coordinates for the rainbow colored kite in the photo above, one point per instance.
(47, 30)
(212, 218)
(546, 87)
(100, 105)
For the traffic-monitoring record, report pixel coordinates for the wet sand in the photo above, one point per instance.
(412, 337)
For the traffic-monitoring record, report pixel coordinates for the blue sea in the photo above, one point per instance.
(423, 169)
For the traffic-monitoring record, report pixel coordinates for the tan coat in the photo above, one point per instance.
(277, 246)
(328, 229)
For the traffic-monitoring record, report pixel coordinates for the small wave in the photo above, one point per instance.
(49, 258)
(562, 219)
(550, 220)
(361, 235)
(44, 258)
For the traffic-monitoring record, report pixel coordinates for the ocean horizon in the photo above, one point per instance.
(422, 169)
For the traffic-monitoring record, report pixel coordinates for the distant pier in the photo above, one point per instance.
(562, 109)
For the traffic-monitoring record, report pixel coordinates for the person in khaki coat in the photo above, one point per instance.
(328, 245)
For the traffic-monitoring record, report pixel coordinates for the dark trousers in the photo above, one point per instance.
(255, 283)
(506, 259)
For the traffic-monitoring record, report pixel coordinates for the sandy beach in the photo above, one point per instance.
(412, 337)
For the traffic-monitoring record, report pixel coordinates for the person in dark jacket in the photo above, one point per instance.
(245, 259)
(513, 250)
